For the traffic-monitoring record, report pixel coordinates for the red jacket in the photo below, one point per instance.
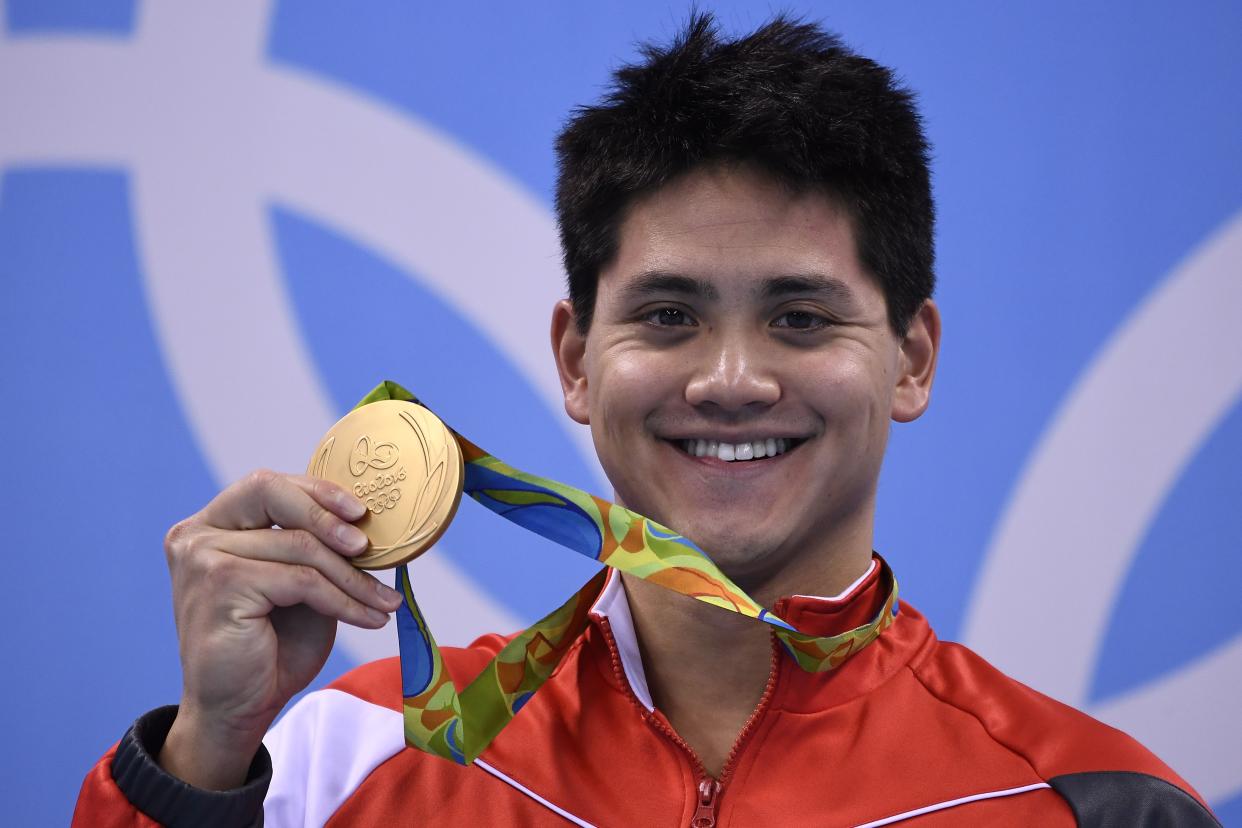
(909, 731)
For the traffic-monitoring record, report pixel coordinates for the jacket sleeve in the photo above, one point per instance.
(127, 787)
(1133, 799)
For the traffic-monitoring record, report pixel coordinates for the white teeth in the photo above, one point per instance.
(732, 452)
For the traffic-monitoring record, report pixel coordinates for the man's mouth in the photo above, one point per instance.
(748, 450)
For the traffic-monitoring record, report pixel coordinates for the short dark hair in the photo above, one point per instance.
(790, 98)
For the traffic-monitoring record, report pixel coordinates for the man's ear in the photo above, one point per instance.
(569, 350)
(916, 364)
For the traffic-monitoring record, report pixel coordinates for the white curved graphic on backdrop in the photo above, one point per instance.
(214, 135)
(1095, 482)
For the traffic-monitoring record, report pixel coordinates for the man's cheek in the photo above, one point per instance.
(611, 419)
(850, 395)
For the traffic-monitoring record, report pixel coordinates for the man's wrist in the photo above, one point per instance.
(172, 801)
(207, 755)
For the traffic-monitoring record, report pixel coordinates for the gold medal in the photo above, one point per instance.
(405, 466)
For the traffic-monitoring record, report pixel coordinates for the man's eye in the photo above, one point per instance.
(669, 317)
(800, 321)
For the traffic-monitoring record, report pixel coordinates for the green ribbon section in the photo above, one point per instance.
(460, 726)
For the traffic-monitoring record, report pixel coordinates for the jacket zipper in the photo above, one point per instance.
(705, 814)
(709, 790)
(765, 700)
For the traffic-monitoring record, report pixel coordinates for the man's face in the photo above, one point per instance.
(737, 321)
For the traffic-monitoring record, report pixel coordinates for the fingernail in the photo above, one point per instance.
(377, 616)
(387, 594)
(352, 506)
(351, 536)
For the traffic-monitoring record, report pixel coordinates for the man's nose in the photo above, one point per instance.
(732, 375)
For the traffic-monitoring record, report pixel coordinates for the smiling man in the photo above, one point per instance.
(747, 229)
(739, 370)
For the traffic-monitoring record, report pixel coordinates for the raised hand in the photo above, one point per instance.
(256, 610)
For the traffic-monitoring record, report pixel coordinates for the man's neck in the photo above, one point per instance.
(707, 669)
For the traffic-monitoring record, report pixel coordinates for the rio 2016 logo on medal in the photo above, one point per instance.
(405, 466)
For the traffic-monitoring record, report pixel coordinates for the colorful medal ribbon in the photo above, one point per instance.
(459, 726)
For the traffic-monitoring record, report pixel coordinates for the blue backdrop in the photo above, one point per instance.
(187, 191)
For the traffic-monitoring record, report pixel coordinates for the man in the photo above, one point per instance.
(747, 230)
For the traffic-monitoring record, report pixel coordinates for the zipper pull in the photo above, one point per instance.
(705, 814)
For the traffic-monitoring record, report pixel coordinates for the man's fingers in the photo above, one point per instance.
(303, 549)
(329, 495)
(285, 585)
(265, 498)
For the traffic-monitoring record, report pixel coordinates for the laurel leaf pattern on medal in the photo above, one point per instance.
(320, 462)
(421, 526)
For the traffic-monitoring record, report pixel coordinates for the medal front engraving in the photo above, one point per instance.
(381, 491)
(405, 466)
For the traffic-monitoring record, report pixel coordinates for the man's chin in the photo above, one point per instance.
(741, 557)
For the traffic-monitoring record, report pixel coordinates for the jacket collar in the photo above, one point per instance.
(613, 607)
(795, 689)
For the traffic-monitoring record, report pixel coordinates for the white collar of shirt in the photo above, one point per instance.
(613, 604)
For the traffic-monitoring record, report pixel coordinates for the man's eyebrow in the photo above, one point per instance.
(826, 287)
(663, 282)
